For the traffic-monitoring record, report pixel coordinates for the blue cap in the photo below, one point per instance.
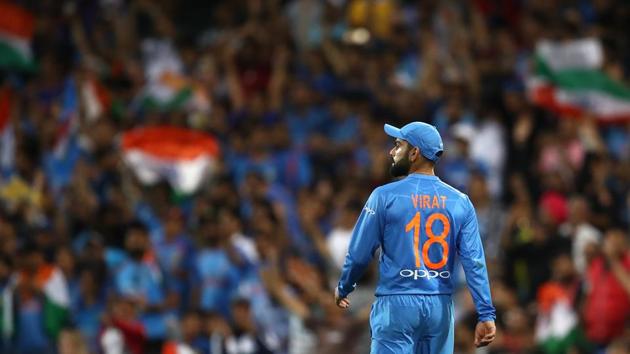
(421, 135)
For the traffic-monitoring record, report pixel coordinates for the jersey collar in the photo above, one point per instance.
(423, 176)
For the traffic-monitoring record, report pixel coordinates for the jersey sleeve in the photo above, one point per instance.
(470, 250)
(365, 240)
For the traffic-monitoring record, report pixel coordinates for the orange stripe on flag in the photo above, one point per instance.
(168, 142)
(43, 275)
(545, 96)
(15, 20)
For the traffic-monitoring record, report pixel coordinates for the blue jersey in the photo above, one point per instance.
(419, 223)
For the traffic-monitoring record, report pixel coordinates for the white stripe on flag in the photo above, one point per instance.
(56, 289)
(185, 175)
(600, 104)
(577, 54)
(19, 44)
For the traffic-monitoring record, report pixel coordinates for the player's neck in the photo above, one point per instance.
(423, 170)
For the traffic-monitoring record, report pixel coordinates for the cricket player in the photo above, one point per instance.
(419, 223)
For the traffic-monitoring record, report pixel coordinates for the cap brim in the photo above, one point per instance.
(393, 131)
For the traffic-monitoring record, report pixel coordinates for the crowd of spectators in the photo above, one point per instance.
(297, 92)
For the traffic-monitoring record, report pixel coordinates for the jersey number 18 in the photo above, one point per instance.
(440, 239)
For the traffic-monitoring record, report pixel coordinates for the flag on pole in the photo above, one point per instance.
(568, 79)
(180, 156)
(16, 32)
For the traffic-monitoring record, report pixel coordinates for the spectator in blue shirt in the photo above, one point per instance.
(214, 276)
(174, 251)
(87, 302)
(140, 279)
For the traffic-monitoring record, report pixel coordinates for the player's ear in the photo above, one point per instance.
(414, 153)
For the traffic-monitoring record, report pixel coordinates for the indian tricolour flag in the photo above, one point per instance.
(180, 156)
(556, 325)
(168, 88)
(51, 282)
(568, 79)
(16, 32)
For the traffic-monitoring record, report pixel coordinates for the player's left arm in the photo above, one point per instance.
(365, 240)
(470, 250)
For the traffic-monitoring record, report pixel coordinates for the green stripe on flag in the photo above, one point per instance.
(55, 318)
(12, 59)
(582, 80)
(175, 103)
(575, 339)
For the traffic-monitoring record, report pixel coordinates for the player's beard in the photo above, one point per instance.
(400, 168)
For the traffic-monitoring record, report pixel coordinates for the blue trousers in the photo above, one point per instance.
(412, 324)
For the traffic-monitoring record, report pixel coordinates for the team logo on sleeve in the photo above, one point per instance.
(369, 210)
(423, 273)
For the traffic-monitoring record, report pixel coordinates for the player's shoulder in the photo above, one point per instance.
(452, 191)
(460, 201)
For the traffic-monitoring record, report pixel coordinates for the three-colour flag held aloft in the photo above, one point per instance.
(569, 79)
(180, 156)
(16, 32)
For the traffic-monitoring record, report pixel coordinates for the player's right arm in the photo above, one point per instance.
(365, 240)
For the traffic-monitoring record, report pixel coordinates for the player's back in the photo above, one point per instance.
(423, 217)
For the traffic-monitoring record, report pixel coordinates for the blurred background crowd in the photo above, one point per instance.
(92, 260)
